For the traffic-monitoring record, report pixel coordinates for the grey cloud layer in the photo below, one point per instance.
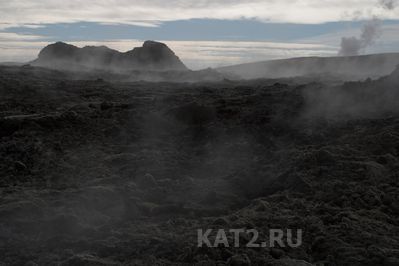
(147, 12)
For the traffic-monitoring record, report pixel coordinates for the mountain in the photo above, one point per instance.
(152, 56)
(351, 68)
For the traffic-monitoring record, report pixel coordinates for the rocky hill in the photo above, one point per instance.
(153, 56)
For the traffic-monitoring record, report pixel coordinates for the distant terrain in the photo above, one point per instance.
(348, 68)
(152, 55)
(156, 62)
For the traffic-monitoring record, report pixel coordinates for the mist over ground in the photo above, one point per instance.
(114, 152)
(100, 168)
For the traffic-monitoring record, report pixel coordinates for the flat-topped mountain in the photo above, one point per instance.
(154, 56)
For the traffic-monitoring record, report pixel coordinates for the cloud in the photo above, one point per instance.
(10, 36)
(152, 12)
(19, 47)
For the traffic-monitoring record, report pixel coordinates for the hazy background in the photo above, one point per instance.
(204, 33)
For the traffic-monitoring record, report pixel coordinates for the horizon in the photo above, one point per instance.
(221, 66)
(206, 33)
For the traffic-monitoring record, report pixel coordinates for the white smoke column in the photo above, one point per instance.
(350, 46)
(388, 4)
(371, 31)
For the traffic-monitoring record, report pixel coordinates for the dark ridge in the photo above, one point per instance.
(152, 56)
(349, 68)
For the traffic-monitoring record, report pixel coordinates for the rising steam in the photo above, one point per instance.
(371, 31)
(388, 4)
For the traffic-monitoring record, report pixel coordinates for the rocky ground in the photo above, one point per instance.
(124, 173)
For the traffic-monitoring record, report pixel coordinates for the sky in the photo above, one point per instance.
(203, 33)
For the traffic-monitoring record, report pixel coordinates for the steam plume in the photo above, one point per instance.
(388, 4)
(371, 31)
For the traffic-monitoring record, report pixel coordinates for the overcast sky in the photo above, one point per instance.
(202, 32)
